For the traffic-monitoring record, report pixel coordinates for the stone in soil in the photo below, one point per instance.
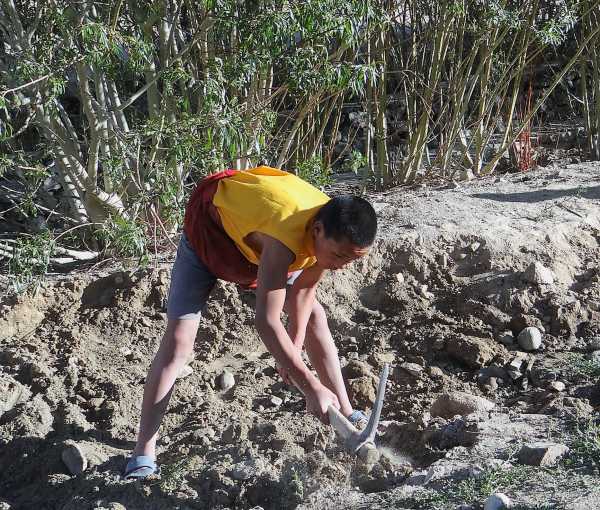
(74, 458)
(460, 403)
(497, 501)
(542, 454)
(226, 380)
(506, 338)
(472, 351)
(538, 274)
(530, 339)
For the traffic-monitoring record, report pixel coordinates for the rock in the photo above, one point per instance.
(4, 505)
(538, 274)
(276, 401)
(491, 384)
(355, 369)
(364, 389)
(460, 403)
(435, 371)
(411, 368)
(472, 351)
(187, 370)
(557, 386)
(521, 321)
(250, 468)
(425, 293)
(506, 338)
(400, 278)
(474, 246)
(226, 380)
(497, 501)
(541, 454)
(74, 458)
(517, 366)
(530, 339)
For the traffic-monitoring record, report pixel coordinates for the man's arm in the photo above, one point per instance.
(300, 302)
(270, 298)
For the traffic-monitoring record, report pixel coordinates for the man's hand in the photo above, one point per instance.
(318, 401)
(283, 373)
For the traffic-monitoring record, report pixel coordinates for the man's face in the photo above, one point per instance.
(332, 254)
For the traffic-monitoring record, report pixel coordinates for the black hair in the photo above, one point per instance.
(351, 218)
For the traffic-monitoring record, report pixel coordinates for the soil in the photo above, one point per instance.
(444, 282)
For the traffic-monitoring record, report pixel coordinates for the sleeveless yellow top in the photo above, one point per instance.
(272, 202)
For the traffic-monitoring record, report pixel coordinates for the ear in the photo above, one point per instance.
(318, 229)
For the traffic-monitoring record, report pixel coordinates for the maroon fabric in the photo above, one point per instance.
(204, 230)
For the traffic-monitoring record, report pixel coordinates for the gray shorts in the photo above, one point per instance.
(191, 283)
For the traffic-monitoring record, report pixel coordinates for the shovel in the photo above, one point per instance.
(356, 442)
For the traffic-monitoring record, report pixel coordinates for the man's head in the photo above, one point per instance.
(343, 230)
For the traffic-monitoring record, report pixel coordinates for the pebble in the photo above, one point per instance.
(400, 278)
(226, 380)
(557, 386)
(474, 246)
(497, 501)
(276, 401)
(530, 339)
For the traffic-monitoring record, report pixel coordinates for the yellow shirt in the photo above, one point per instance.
(272, 202)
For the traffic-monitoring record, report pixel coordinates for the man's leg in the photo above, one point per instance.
(323, 356)
(175, 351)
(191, 284)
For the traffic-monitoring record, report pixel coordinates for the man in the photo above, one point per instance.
(271, 230)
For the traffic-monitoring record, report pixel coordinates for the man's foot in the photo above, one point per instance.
(358, 419)
(140, 467)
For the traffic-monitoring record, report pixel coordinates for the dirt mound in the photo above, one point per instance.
(444, 296)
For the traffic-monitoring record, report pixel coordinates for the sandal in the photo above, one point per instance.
(140, 467)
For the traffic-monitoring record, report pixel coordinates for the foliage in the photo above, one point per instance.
(579, 366)
(585, 448)
(131, 103)
(30, 260)
(313, 170)
(124, 238)
(172, 475)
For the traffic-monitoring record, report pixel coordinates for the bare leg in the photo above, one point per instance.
(175, 350)
(323, 355)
